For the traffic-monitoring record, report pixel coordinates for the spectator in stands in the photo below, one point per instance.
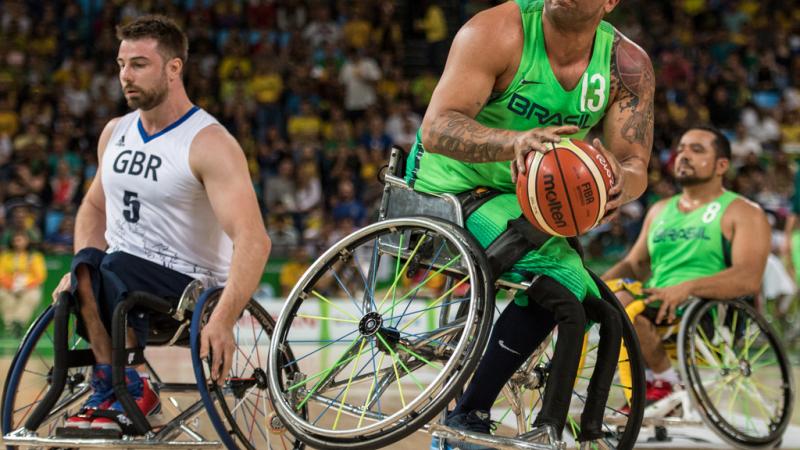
(298, 262)
(387, 36)
(359, 75)
(790, 131)
(338, 131)
(308, 196)
(402, 124)
(283, 235)
(22, 273)
(266, 86)
(434, 25)
(347, 206)
(9, 118)
(422, 88)
(63, 186)
(322, 30)
(305, 126)
(743, 144)
(357, 30)
(61, 242)
(22, 220)
(375, 139)
(281, 188)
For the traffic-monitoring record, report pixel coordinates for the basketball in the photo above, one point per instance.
(564, 191)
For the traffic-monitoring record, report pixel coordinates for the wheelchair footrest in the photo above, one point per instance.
(24, 439)
(498, 442)
(82, 433)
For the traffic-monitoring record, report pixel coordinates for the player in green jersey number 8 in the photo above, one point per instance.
(705, 242)
(520, 77)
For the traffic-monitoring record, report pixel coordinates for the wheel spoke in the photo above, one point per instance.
(349, 383)
(336, 307)
(371, 390)
(347, 291)
(330, 319)
(437, 301)
(330, 342)
(399, 361)
(422, 283)
(402, 271)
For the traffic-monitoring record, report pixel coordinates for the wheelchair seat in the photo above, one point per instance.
(401, 200)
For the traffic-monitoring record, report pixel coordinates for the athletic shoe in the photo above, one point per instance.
(476, 421)
(102, 397)
(143, 393)
(658, 390)
(654, 391)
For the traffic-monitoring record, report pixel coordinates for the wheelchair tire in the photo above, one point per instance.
(29, 375)
(621, 427)
(241, 410)
(441, 350)
(727, 350)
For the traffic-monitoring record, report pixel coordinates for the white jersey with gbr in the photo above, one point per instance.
(156, 208)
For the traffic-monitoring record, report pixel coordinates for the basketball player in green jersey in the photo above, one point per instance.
(520, 77)
(705, 242)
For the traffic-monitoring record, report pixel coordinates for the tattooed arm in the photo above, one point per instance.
(481, 60)
(628, 124)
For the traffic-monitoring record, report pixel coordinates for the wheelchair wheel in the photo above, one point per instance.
(403, 315)
(737, 372)
(30, 373)
(241, 410)
(521, 398)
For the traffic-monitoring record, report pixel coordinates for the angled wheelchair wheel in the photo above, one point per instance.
(30, 373)
(386, 326)
(736, 371)
(521, 398)
(241, 410)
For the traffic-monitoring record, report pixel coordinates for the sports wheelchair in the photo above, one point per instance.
(738, 380)
(48, 380)
(405, 307)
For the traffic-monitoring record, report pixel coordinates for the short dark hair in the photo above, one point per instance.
(172, 41)
(722, 146)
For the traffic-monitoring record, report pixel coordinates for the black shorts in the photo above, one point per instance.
(114, 275)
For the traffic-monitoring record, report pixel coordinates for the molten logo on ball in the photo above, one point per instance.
(554, 206)
(564, 191)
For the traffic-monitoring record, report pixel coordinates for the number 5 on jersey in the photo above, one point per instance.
(131, 214)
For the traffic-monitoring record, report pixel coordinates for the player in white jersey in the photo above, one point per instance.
(172, 202)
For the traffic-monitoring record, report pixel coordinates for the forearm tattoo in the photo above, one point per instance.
(634, 82)
(460, 137)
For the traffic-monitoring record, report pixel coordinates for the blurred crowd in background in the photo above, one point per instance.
(317, 92)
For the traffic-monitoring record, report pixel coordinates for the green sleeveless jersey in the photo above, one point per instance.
(686, 246)
(534, 99)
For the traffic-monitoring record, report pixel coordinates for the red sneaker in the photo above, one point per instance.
(143, 393)
(657, 390)
(101, 398)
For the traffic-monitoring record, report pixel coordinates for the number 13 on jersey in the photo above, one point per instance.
(597, 97)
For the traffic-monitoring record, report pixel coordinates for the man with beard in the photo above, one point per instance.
(704, 242)
(520, 77)
(172, 202)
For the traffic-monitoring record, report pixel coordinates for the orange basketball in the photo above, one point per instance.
(564, 191)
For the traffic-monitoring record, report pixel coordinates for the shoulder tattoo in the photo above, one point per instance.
(633, 85)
